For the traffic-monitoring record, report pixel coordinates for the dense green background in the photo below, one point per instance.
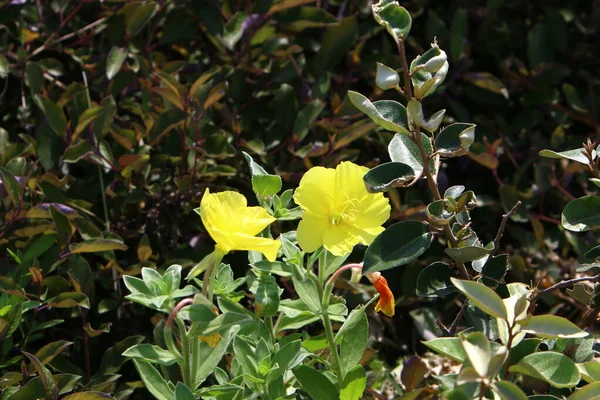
(274, 85)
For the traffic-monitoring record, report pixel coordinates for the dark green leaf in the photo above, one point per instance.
(114, 61)
(393, 17)
(388, 175)
(315, 383)
(434, 280)
(398, 245)
(582, 214)
(54, 115)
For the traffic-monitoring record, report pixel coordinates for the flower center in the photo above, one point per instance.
(344, 213)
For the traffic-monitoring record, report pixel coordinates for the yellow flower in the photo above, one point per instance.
(234, 226)
(386, 303)
(338, 211)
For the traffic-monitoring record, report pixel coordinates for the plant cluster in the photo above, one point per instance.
(114, 131)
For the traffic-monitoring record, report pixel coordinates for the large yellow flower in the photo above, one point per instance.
(234, 226)
(338, 211)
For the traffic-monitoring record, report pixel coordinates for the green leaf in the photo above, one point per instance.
(306, 118)
(69, 300)
(450, 347)
(478, 350)
(266, 296)
(105, 119)
(388, 114)
(315, 383)
(458, 33)
(551, 326)
(4, 67)
(97, 245)
(114, 61)
(487, 81)
(266, 185)
(44, 374)
(54, 114)
(34, 77)
(113, 358)
(210, 361)
(140, 17)
(182, 392)
(398, 245)
(509, 391)
(393, 17)
(573, 98)
(402, 149)
(455, 139)
(386, 77)
(77, 151)
(590, 371)
(86, 118)
(469, 253)
(308, 293)
(31, 390)
(555, 368)
(151, 354)
(388, 175)
(588, 392)
(354, 342)
(482, 297)
(416, 116)
(434, 280)
(573, 155)
(11, 186)
(582, 214)
(428, 71)
(336, 42)
(63, 226)
(354, 385)
(153, 381)
(234, 29)
(89, 396)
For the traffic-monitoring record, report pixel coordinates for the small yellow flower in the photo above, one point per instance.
(234, 226)
(338, 211)
(386, 303)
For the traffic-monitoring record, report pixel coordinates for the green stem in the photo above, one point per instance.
(185, 347)
(325, 296)
(332, 347)
(195, 360)
(168, 336)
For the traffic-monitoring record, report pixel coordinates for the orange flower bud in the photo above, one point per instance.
(386, 303)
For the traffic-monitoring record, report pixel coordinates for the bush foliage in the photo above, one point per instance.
(118, 115)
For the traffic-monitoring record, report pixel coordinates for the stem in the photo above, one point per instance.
(185, 347)
(407, 82)
(564, 284)
(505, 219)
(325, 295)
(332, 347)
(416, 136)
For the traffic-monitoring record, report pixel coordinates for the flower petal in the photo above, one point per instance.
(269, 247)
(311, 231)
(366, 236)
(349, 181)
(316, 191)
(253, 220)
(339, 240)
(374, 210)
(386, 303)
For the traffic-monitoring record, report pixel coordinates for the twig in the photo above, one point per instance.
(456, 321)
(50, 39)
(505, 219)
(407, 82)
(564, 284)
